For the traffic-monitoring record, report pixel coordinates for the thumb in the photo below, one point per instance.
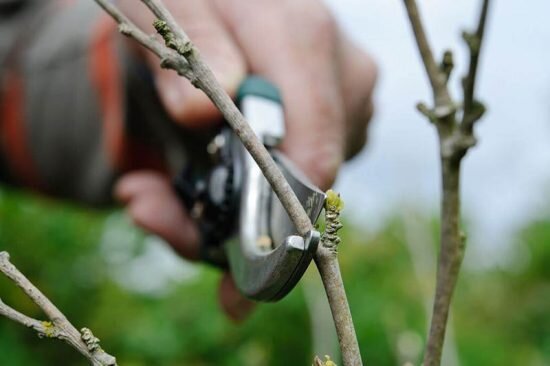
(186, 104)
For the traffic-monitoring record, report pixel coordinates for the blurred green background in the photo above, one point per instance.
(151, 308)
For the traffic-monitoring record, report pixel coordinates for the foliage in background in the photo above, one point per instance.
(500, 316)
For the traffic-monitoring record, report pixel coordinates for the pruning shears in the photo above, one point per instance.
(243, 225)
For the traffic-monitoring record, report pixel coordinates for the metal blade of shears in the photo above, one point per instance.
(268, 257)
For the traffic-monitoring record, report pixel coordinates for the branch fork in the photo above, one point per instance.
(456, 137)
(58, 326)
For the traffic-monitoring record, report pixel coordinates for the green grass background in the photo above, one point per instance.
(500, 316)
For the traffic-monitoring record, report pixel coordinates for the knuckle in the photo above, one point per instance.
(319, 24)
(356, 142)
(359, 87)
(325, 166)
(371, 72)
(308, 20)
(321, 164)
(364, 70)
(323, 22)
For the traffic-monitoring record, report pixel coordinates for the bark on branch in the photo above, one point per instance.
(456, 137)
(181, 55)
(58, 326)
(327, 261)
(473, 110)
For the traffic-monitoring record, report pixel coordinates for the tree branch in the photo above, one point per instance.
(329, 269)
(201, 76)
(455, 139)
(58, 326)
(170, 59)
(326, 259)
(437, 78)
(450, 259)
(473, 110)
(44, 329)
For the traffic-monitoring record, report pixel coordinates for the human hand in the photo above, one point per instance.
(326, 84)
(152, 204)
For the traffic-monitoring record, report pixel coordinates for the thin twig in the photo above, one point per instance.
(436, 76)
(201, 76)
(44, 329)
(326, 259)
(455, 139)
(329, 269)
(473, 110)
(169, 58)
(58, 326)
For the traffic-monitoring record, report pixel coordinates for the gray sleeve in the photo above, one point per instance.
(88, 109)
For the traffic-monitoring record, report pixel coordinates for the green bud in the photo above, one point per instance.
(334, 200)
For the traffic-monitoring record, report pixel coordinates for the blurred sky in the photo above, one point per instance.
(506, 177)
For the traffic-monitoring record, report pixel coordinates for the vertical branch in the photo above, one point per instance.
(329, 269)
(435, 75)
(473, 110)
(326, 259)
(455, 139)
(450, 259)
